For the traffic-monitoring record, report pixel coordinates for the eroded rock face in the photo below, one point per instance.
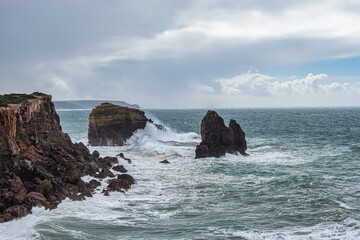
(39, 165)
(217, 139)
(112, 125)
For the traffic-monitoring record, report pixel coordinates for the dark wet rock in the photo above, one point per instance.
(123, 181)
(96, 154)
(36, 199)
(121, 155)
(105, 192)
(24, 168)
(164, 161)
(217, 139)
(105, 173)
(108, 161)
(72, 174)
(44, 187)
(94, 183)
(120, 168)
(158, 126)
(112, 125)
(17, 211)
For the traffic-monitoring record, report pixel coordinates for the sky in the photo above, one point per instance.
(184, 54)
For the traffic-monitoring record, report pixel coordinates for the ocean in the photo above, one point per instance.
(301, 181)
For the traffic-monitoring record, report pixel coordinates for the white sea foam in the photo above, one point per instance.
(343, 205)
(165, 192)
(22, 228)
(347, 229)
(166, 135)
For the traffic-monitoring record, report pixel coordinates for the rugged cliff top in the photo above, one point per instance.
(107, 112)
(16, 98)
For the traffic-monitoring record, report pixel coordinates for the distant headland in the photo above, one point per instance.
(89, 104)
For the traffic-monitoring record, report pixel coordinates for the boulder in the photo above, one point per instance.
(107, 161)
(120, 168)
(123, 181)
(121, 155)
(94, 183)
(217, 139)
(105, 173)
(36, 199)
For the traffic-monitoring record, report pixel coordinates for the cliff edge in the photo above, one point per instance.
(39, 165)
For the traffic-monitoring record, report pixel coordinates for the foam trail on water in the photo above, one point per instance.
(347, 229)
(22, 228)
(151, 132)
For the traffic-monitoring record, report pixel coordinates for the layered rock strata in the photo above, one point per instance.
(217, 139)
(39, 165)
(112, 125)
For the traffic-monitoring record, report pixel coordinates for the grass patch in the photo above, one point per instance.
(38, 94)
(16, 98)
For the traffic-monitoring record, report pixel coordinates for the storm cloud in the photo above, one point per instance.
(182, 54)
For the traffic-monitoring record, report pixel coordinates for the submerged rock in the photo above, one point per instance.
(112, 125)
(121, 155)
(164, 161)
(123, 181)
(105, 173)
(120, 168)
(217, 139)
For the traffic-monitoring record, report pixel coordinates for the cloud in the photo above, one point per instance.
(198, 87)
(292, 32)
(261, 85)
(150, 53)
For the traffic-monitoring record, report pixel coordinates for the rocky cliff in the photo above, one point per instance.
(39, 165)
(217, 139)
(111, 124)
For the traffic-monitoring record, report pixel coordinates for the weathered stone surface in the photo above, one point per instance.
(36, 199)
(123, 181)
(121, 155)
(120, 168)
(105, 173)
(217, 139)
(108, 161)
(94, 183)
(112, 125)
(39, 165)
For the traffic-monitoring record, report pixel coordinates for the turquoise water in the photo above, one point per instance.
(301, 181)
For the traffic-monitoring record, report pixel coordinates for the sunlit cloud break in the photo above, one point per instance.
(255, 83)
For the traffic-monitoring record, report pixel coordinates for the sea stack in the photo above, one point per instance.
(39, 164)
(112, 125)
(217, 139)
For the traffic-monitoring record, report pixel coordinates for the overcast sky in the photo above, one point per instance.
(184, 54)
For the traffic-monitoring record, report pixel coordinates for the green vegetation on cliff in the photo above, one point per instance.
(16, 98)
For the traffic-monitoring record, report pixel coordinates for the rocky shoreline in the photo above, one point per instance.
(39, 164)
